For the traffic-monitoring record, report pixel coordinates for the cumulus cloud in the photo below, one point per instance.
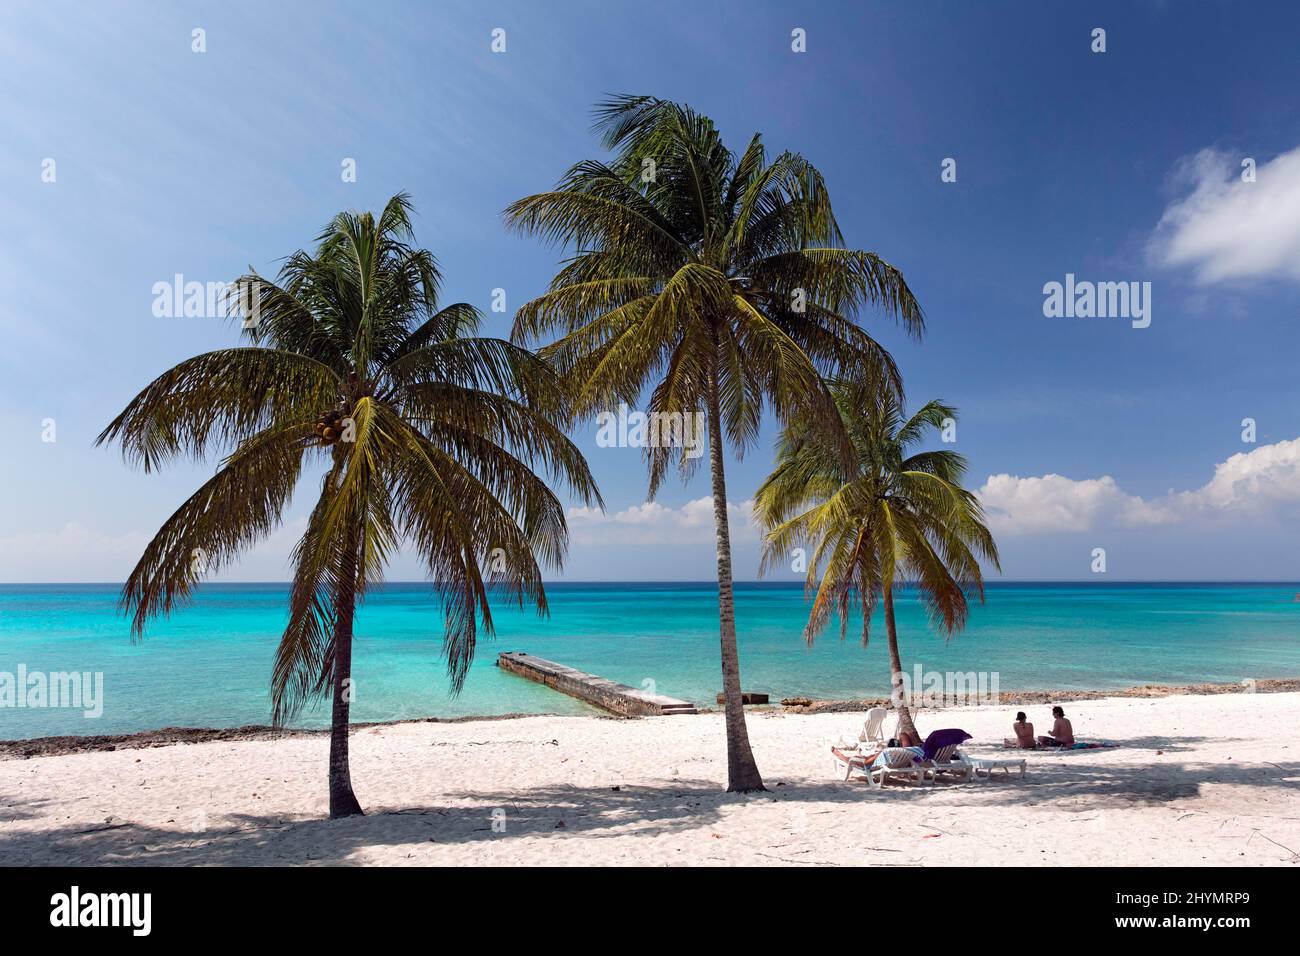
(1018, 505)
(654, 523)
(1224, 228)
(1260, 483)
(1263, 481)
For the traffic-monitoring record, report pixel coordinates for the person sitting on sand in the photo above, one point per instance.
(1062, 732)
(1024, 734)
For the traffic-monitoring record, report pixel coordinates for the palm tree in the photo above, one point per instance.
(720, 280)
(895, 514)
(426, 434)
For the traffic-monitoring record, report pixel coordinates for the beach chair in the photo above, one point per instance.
(871, 737)
(873, 731)
(850, 760)
(986, 766)
(949, 760)
(900, 762)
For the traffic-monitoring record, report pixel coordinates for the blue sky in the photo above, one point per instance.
(1115, 166)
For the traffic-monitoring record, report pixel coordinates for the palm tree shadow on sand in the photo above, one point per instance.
(604, 812)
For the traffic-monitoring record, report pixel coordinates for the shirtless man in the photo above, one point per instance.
(1024, 734)
(1062, 732)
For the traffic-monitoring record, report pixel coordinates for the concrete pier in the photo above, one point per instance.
(606, 694)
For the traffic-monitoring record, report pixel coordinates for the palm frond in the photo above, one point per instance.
(896, 514)
(433, 435)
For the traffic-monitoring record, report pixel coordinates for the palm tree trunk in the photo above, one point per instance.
(742, 771)
(866, 609)
(343, 802)
(905, 724)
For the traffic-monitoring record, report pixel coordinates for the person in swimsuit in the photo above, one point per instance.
(1024, 731)
(1062, 734)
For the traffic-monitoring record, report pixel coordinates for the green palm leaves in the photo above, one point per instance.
(439, 440)
(896, 514)
(719, 282)
(691, 262)
(712, 280)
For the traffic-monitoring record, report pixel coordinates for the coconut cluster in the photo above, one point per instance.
(330, 426)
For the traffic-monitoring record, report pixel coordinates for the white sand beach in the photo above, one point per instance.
(1197, 780)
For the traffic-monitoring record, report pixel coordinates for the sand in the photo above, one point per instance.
(1197, 780)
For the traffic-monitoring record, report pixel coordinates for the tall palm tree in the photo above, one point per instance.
(426, 434)
(719, 280)
(896, 514)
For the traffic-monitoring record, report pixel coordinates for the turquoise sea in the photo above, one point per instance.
(209, 665)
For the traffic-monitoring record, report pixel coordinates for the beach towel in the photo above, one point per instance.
(1009, 743)
(917, 752)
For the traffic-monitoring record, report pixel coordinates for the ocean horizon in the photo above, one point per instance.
(209, 664)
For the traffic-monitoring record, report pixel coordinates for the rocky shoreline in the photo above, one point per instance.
(1032, 698)
(167, 736)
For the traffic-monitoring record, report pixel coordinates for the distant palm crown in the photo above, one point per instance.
(426, 434)
(893, 513)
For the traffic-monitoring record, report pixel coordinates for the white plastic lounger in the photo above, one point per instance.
(870, 737)
(897, 762)
(850, 761)
(986, 765)
(950, 760)
(873, 731)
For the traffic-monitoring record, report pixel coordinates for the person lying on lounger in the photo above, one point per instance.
(1024, 734)
(1062, 734)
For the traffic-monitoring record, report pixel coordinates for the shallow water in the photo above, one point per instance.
(210, 664)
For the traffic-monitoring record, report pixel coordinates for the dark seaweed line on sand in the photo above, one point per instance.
(167, 736)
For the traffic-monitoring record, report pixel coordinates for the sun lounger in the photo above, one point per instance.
(849, 760)
(986, 765)
(870, 737)
(949, 760)
(873, 729)
(878, 767)
(899, 762)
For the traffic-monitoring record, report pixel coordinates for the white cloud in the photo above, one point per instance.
(77, 553)
(73, 552)
(653, 523)
(1018, 505)
(1224, 228)
(73, 537)
(1260, 483)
